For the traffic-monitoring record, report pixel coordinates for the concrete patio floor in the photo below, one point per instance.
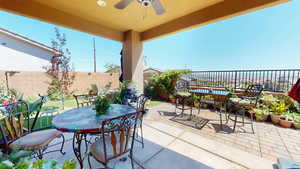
(169, 144)
(269, 141)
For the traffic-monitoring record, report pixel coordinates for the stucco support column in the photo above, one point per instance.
(133, 59)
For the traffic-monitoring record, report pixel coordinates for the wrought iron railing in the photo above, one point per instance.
(272, 80)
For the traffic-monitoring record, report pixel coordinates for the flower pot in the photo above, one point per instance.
(296, 125)
(275, 118)
(283, 122)
(172, 100)
(196, 104)
(163, 96)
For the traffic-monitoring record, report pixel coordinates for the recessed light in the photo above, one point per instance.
(101, 3)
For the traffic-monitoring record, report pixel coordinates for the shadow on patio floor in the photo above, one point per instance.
(162, 151)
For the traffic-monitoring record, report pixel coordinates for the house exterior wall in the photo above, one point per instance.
(149, 73)
(18, 55)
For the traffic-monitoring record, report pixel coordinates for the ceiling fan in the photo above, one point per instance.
(156, 4)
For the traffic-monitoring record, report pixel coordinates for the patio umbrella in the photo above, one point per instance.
(295, 91)
(121, 76)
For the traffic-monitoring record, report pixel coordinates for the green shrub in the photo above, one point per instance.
(163, 83)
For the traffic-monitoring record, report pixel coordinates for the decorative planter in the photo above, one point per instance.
(296, 125)
(275, 118)
(283, 122)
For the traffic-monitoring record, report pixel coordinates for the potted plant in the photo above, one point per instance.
(194, 100)
(172, 98)
(102, 104)
(261, 114)
(286, 120)
(268, 99)
(277, 108)
(296, 120)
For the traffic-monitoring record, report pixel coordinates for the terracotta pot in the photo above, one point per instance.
(275, 118)
(285, 123)
(296, 125)
(196, 104)
(172, 100)
(163, 96)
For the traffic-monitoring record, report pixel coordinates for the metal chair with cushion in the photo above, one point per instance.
(182, 95)
(239, 106)
(16, 131)
(116, 139)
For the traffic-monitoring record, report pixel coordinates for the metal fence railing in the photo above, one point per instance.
(272, 80)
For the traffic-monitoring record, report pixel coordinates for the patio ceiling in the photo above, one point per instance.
(108, 22)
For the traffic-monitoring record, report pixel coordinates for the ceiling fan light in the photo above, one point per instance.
(101, 3)
(146, 3)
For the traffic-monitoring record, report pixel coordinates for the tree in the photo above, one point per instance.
(60, 70)
(112, 68)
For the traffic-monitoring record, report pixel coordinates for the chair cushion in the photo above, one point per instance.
(206, 101)
(36, 140)
(97, 148)
(241, 101)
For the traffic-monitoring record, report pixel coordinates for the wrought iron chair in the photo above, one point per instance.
(239, 106)
(182, 94)
(17, 133)
(119, 142)
(84, 100)
(141, 102)
(44, 122)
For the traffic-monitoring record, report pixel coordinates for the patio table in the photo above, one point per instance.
(84, 120)
(220, 98)
(218, 95)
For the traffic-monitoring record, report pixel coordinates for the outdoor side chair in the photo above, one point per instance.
(84, 100)
(117, 139)
(141, 103)
(182, 95)
(17, 133)
(239, 106)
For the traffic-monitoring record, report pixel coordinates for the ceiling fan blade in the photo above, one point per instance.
(159, 9)
(123, 4)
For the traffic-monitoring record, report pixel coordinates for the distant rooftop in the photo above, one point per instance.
(26, 39)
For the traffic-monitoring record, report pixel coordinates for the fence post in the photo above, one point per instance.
(235, 79)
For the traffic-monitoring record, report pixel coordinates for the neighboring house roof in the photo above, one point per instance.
(149, 69)
(27, 40)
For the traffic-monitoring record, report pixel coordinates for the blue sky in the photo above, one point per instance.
(266, 39)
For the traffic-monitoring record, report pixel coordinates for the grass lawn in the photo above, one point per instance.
(69, 103)
(45, 120)
(154, 103)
